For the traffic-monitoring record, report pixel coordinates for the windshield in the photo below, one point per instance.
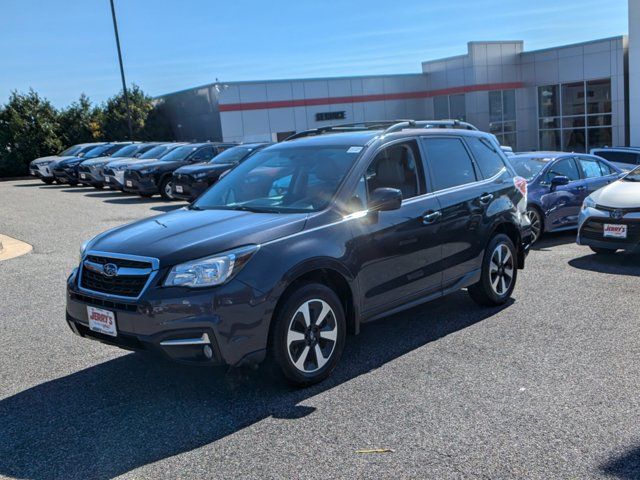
(633, 175)
(528, 167)
(70, 151)
(157, 151)
(97, 151)
(179, 153)
(296, 179)
(233, 155)
(127, 151)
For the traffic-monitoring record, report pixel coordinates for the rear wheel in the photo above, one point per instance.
(536, 223)
(308, 335)
(499, 273)
(166, 188)
(603, 251)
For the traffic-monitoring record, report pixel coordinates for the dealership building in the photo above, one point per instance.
(571, 97)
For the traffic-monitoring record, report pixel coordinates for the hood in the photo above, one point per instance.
(185, 234)
(49, 159)
(619, 194)
(124, 162)
(142, 164)
(97, 161)
(205, 167)
(69, 160)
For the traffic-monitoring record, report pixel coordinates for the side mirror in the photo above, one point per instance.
(384, 199)
(559, 181)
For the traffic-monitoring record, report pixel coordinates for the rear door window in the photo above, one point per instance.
(449, 162)
(486, 155)
(590, 167)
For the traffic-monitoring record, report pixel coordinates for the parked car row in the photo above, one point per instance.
(173, 170)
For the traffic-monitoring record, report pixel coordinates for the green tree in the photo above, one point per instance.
(28, 130)
(80, 122)
(147, 121)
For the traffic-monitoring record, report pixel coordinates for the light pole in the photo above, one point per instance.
(124, 84)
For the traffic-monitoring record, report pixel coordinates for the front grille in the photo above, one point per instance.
(127, 307)
(594, 229)
(119, 262)
(84, 168)
(613, 209)
(121, 285)
(109, 171)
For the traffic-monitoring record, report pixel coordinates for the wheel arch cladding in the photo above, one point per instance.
(331, 278)
(511, 231)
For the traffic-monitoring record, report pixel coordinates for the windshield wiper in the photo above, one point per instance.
(245, 208)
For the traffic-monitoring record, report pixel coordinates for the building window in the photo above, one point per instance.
(575, 116)
(502, 116)
(449, 106)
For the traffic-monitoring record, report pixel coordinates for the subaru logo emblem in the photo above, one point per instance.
(110, 270)
(617, 214)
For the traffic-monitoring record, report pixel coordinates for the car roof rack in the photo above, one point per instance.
(446, 123)
(349, 127)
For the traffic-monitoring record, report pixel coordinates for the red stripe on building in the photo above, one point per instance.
(236, 107)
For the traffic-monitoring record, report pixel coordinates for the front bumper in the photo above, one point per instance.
(591, 230)
(65, 175)
(144, 185)
(40, 171)
(233, 319)
(90, 177)
(114, 179)
(191, 188)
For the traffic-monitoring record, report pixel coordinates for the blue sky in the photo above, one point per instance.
(64, 47)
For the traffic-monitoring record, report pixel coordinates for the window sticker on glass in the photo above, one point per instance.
(355, 149)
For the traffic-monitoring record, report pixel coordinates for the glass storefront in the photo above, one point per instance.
(449, 107)
(575, 117)
(502, 116)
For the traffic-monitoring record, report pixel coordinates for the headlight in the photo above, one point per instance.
(147, 171)
(210, 271)
(201, 175)
(588, 203)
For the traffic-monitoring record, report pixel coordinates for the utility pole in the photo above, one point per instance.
(124, 83)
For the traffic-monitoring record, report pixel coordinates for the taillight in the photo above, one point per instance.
(521, 185)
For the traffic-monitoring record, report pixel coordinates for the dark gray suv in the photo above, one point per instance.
(305, 241)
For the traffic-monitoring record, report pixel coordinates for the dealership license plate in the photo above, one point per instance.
(107, 179)
(129, 183)
(82, 175)
(102, 321)
(179, 188)
(615, 231)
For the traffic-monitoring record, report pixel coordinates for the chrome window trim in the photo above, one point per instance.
(155, 266)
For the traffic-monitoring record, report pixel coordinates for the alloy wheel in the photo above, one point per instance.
(167, 189)
(501, 269)
(536, 224)
(312, 336)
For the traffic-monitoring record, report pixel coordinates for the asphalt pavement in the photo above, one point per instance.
(545, 387)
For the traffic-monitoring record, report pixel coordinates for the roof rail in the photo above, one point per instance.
(396, 127)
(347, 127)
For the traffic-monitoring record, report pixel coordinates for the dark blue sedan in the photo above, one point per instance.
(558, 183)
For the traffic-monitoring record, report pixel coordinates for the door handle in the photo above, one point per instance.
(581, 188)
(429, 218)
(486, 198)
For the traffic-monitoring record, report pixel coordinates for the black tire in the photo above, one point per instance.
(165, 188)
(75, 184)
(603, 251)
(289, 323)
(490, 291)
(98, 186)
(146, 195)
(537, 223)
(48, 181)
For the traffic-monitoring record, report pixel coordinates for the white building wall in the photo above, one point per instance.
(634, 72)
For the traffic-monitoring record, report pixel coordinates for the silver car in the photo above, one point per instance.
(610, 217)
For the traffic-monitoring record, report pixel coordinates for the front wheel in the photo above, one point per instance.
(166, 188)
(499, 272)
(308, 335)
(603, 251)
(536, 223)
(48, 181)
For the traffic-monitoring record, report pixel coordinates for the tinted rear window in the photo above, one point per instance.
(488, 159)
(628, 158)
(450, 162)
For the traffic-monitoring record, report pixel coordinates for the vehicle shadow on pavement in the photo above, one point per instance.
(615, 263)
(625, 467)
(554, 239)
(108, 194)
(131, 411)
